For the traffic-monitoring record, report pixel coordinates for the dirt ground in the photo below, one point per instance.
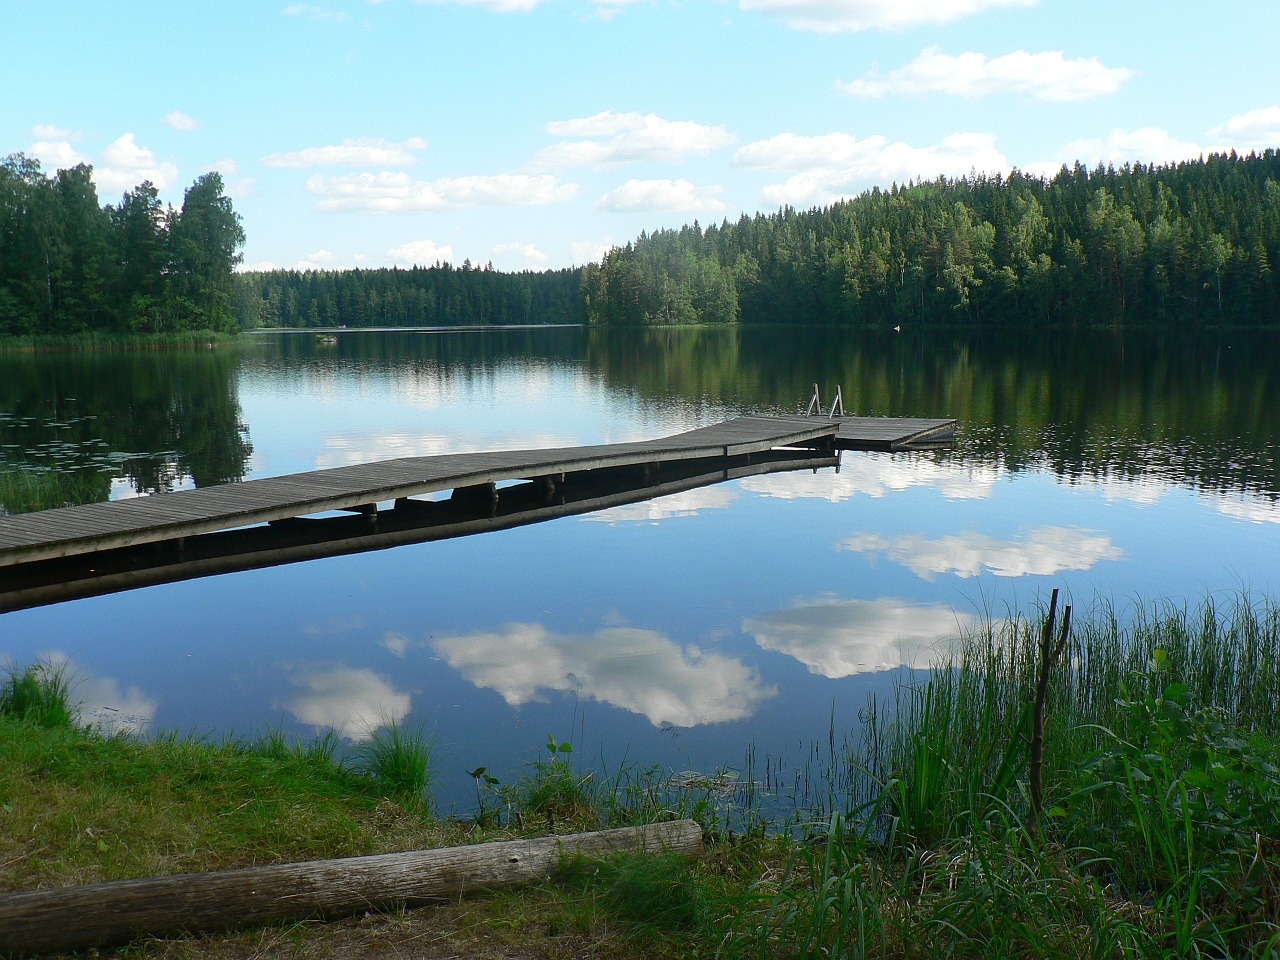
(457, 931)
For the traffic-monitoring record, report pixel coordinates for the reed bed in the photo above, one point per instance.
(1161, 827)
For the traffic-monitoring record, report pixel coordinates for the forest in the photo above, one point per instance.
(1187, 244)
(439, 295)
(70, 265)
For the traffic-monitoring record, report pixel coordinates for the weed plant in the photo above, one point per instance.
(40, 695)
(400, 759)
(555, 794)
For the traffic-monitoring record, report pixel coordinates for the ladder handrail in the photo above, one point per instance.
(815, 404)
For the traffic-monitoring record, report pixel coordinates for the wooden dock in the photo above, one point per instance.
(890, 434)
(170, 517)
(111, 570)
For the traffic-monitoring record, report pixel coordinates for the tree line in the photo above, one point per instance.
(1181, 244)
(439, 295)
(69, 264)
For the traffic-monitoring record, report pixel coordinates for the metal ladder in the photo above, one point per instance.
(815, 405)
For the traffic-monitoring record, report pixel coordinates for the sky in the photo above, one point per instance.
(536, 134)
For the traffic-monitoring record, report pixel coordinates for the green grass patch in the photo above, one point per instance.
(400, 760)
(39, 695)
(26, 487)
(79, 807)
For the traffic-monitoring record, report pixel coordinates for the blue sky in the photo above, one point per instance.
(537, 133)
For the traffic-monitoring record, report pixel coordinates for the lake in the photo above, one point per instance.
(750, 617)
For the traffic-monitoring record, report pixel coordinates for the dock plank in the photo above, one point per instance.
(69, 531)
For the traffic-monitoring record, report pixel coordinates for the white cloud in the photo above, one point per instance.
(125, 165)
(389, 192)
(420, 253)
(335, 626)
(1248, 507)
(49, 131)
(429, 391)
(396, 643)
(56, 154)
(240, 189)
(878, 474)
(346, 450)
(687, 503)
(1046, 76)
(352, 152)
(181, 121)
(227, 167)
(617, 138)
(1043, 552)
(352, 702)
(787, 151)
(608, 9)
(499, 6)
(102, 702)
(319, 260)
(838, 165)
(109, 707)
(591, 251)
(313, 12)
(679, 196)
(832, 16)
(1147, 145)
(841, 638)
(1255, 130)
(634, 669)
(522, 255)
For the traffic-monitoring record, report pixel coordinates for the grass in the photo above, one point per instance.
(400, 760)
(1159, 835)
(39, 695)
(26, 487)
(80, 806)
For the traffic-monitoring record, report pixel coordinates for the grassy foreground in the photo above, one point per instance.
(1158, 833)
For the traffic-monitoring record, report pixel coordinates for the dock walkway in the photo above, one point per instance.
(89, 528)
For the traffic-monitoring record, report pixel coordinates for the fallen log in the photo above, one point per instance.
(114, 913)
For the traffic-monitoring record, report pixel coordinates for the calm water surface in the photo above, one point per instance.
(681, 631)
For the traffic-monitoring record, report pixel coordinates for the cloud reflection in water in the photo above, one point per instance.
(840, 638)
(1043, 552)
(878, 474)
(353, 702)
(635, 669)
(687, 503)
(102, 702)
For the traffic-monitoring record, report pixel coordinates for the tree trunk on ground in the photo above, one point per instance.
(110, 914)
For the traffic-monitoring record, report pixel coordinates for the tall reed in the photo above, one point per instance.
(953, 745)
(1161, 765)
